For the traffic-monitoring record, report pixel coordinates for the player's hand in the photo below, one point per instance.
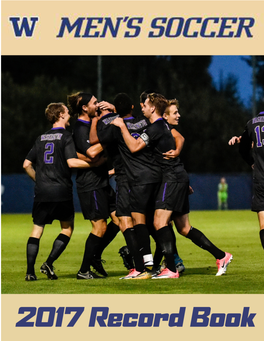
(119, 122)
(191, 191)
(103, 105)
(111, 172)
(171, 154)
(234, 140)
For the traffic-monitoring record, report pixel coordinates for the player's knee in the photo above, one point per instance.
(184, 230)
(99, 227)
(114, 218)
(125, 223)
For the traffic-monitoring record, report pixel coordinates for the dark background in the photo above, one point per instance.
(210, 116)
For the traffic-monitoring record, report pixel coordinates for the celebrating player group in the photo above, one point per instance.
(151, 193)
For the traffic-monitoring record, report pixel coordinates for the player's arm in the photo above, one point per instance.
(27, 165)
(191, 191)
(93, 137)
(134, 145)
(103, 105)
(84, 157)
(94, 150)
(179, 141)
(96, 162)
(234, 140)
(82, 143)
(111, 172)
(245, 147)
(77, 163)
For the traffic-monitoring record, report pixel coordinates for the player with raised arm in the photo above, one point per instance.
(49, 164)
(110, 136)
(172, 201)
(252, 150)
(94, 192)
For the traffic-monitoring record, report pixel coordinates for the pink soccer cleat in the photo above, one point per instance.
(132, 273)
(223, 263)
(166, 273)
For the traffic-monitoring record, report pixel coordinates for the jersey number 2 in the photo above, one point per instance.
(48, 158)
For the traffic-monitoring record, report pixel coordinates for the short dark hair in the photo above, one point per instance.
(145, 94)
(123, 104)
(53, 111)
(159, 101)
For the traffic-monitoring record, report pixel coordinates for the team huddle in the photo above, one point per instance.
(152, 186)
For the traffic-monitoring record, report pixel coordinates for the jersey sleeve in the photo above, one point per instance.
(151, 134)
(81, 139)
(245, 147)
(70, 152)
(32, 155)
(107, 134)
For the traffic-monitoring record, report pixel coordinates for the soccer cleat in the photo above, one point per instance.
(127, 258)
(87, 275)
(223, 263)
(30, 277)
(180, 267)
(98, 266)
(156, 270)
(166, 273)
(48, 270)
(144, 275)
(179, 263)
(132, 273)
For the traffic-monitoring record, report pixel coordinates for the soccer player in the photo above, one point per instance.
(94, 191)
(222, 194)
(179, 140)
(252, 150)
(48, 163)
(110, 136)
(172, 201)
(124, 106)
(172, 116)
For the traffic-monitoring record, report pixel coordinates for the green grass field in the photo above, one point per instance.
(234, 231)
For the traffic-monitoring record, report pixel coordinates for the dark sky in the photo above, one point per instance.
(239, 68)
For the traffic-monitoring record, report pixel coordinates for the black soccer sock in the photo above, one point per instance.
(175, 251)
(32, 252)
(132, 244)
(158, 255)
(261, 235)
(111, 232)
(91, 245)
(58, 247)
(164, 236)
(144, 243)
(199, 239)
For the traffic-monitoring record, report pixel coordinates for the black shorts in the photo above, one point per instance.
(257, 203)
(122, 199)
(45, 212)
(142, 197)
(174, 196)
(95, 205)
